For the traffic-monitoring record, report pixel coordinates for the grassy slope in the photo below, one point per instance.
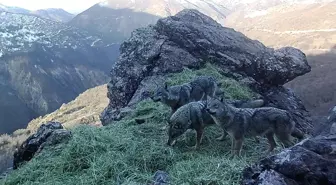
(128, 153)
(85, 109)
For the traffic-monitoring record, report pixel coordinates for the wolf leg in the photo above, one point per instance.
(285, 139)
(233, 145)
(271, 141)
(238, 146)
(199, 134)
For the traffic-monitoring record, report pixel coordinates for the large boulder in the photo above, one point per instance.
(51, 133)
(285, 98)
(312, 161)
(191, 39)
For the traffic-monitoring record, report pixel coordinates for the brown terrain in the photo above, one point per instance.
(85, 109)
(309, 27)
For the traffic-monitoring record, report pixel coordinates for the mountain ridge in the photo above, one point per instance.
(55, 14)
(44, 64)
(126, 16)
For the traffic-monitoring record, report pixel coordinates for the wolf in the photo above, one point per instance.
(194, 116)
(179, 95)
(252, 122)
(190, 116)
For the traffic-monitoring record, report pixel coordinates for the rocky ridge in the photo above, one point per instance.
(191, 39)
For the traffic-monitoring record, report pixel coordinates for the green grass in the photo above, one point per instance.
(129, 153)
(232, 88)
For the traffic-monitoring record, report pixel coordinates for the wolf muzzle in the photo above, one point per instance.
(210, 112)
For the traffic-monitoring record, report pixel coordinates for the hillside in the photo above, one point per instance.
(290, 24)
(55, 14)
(309, 27)
(11, 9)
(116, 19)
(85, 109)
(44, 64)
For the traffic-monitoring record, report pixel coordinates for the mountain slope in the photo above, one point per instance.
(44, 64)
(290, 24)
(54, 14)
(4, 8)
(85, 109)
(116, 19)
(309, 27)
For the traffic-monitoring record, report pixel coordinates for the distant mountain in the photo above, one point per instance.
(116, 19)
(44, 64)
(254, 5)
(309, 26)
(54, 14)
(4, 8)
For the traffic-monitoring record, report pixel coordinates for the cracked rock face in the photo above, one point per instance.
(312, 161)
(191, 39)
(51, 133)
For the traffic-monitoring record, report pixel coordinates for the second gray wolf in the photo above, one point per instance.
(251, 122)
(179, 95)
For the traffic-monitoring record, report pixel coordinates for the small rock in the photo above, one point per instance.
(51, 133)
(161, 178)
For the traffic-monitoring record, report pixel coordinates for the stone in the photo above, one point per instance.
(48, 134)
(161, 178)
(191, 39)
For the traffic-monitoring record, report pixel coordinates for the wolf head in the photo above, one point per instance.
(161, 94)
(216, 107)
(175, 130)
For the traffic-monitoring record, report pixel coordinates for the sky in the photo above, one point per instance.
(73, 6)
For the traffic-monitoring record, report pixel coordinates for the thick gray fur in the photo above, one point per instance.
(179, 95)
(251, 122)
(190, 116)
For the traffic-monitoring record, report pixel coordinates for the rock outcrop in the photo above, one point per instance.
(191, 39)
(312, 161)
(48, 134)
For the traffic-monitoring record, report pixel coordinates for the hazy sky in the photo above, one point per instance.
(69, 5)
